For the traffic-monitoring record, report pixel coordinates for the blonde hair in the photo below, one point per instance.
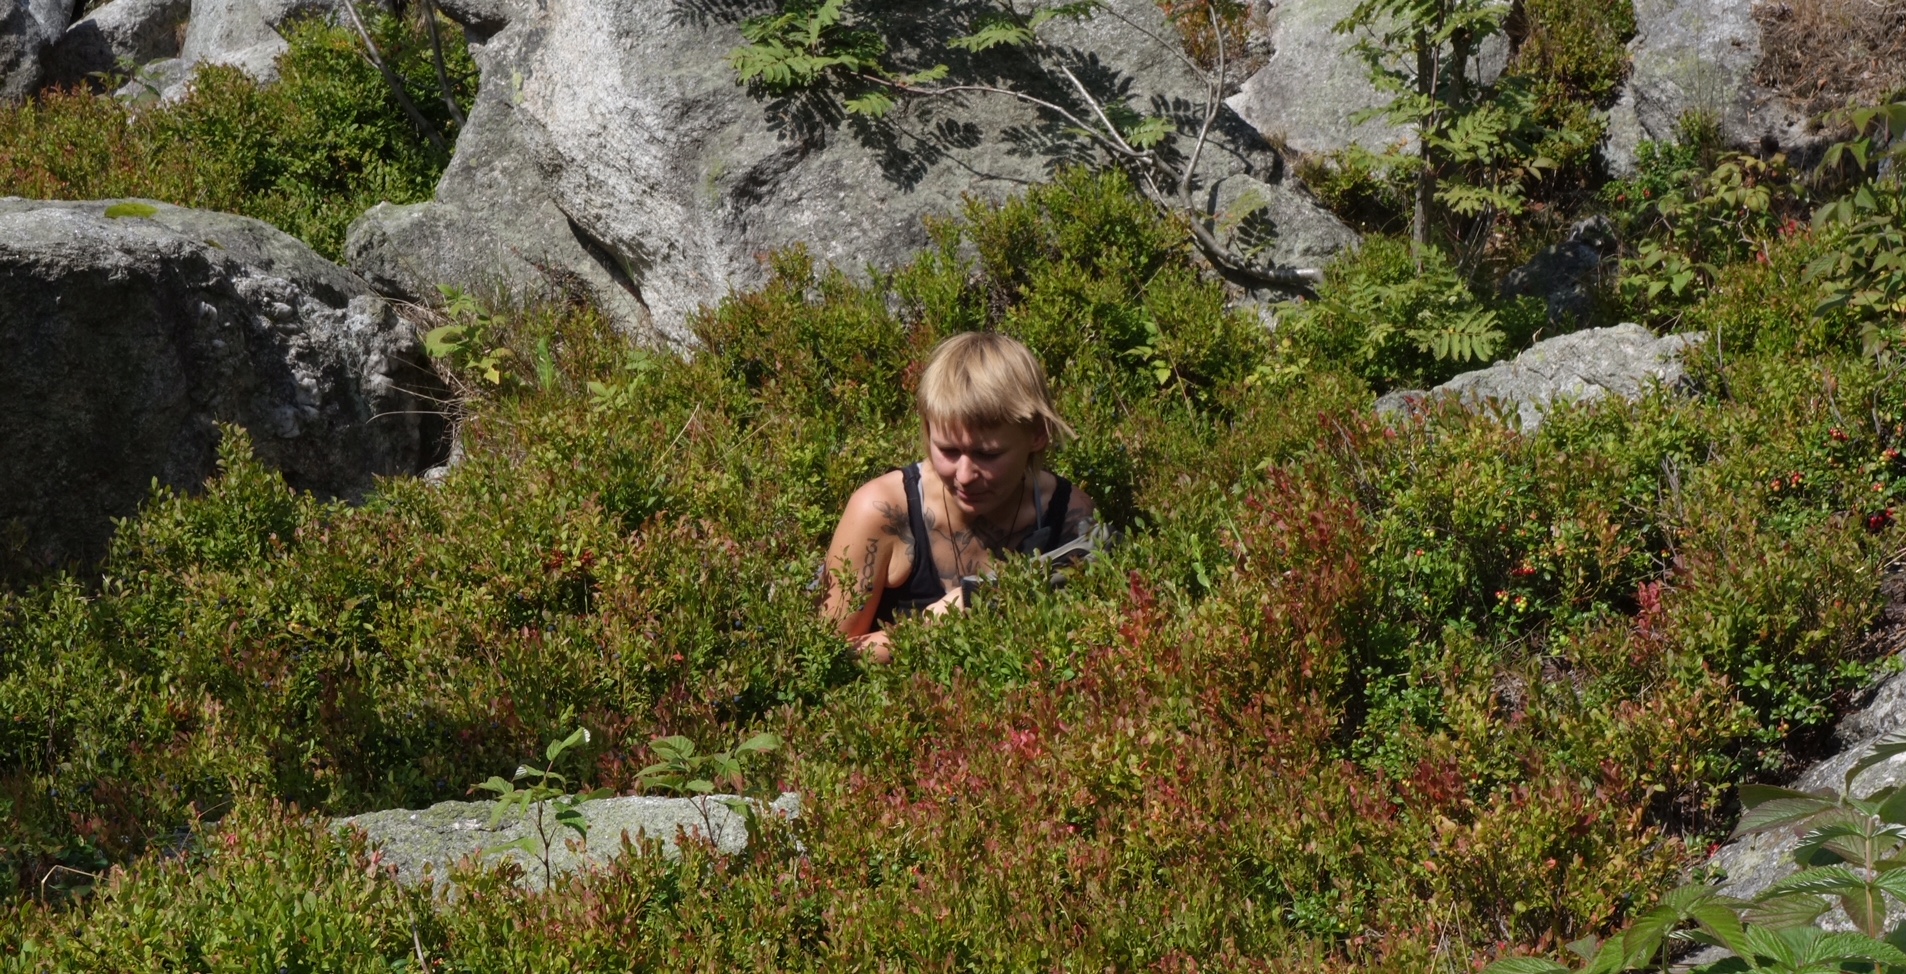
(982, 379)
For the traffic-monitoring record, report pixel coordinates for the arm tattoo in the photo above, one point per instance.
(893, 523)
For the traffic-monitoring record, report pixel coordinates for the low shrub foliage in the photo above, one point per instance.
(1349, 695)
(306, 154)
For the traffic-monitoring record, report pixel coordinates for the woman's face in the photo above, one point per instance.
(983, 468)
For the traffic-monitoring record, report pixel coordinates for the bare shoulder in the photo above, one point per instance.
(880, 504)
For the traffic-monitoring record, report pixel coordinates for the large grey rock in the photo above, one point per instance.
(122, 32)
(1307, 94)
(1626, 360)
(125, 339)
(1698, 56)
(642, 161)
(440, 836)
(27, 29)
(493, 228)
(245, 34)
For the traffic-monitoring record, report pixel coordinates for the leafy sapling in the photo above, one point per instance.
(1852, 854)
(685, 772)
(545, 797)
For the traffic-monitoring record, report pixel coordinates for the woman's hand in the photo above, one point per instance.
(874, 647)
(955, 599)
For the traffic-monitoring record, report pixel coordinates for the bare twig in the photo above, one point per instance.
(1147, 165)
(63, 869)
(1057, 109)
(390, 77)
(415, 940)
(436, 57)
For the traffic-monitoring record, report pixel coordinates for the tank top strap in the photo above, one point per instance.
(1055, 513)
(916, 516)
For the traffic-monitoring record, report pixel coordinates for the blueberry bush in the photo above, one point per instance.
(1352, 693)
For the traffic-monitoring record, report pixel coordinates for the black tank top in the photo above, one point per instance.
(922, 587)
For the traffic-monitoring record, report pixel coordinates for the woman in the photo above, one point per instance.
(909, 536)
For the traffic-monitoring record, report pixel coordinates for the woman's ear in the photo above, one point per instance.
(1041, 438)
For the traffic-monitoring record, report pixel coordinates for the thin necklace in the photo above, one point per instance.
(959, 562)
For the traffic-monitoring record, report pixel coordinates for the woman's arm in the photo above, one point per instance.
(1080, 516)
(859, 559)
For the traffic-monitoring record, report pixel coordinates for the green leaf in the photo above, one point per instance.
(1000, 32)
(528, 844)
(1785, 910)
(759, 743)
(873, 104)
(1525, 965)
(444, 341)
(1149, 132)
(701, 786)
(676, 746)
(1773, 813)
(556, 748)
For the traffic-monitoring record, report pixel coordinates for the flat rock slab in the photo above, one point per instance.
(444, 834)
(1626, 360)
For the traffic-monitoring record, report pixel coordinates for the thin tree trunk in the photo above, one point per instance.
(443, 76)
(396, 83)
(1426, 176)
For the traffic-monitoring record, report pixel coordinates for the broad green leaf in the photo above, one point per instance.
(443, 341)
(1525, 965)
(1831, 880)
(701, 786)
(758, 743)
(1752, 795)
(676, 746)
(528, 844)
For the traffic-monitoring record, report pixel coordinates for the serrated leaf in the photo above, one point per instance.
(701, 786)
(1785, 910)
(1777, 812)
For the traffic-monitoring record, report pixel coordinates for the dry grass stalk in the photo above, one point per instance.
(1826, 54)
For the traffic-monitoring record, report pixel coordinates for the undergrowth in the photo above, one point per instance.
(1349, 695)
(306, 154)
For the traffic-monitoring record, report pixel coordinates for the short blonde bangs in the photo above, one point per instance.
(981, 380)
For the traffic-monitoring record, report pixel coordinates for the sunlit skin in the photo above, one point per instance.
(980, 495)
